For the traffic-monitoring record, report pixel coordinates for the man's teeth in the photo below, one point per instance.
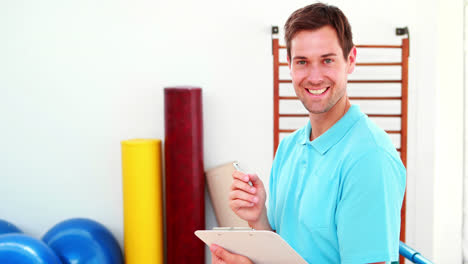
(317, 92)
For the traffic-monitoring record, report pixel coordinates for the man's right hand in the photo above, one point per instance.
(248, 202)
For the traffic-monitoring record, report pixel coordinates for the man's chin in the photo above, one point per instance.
(318, 110)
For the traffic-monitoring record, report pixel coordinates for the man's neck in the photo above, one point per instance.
(320, 123)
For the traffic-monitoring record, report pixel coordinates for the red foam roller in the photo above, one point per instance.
(184, 179)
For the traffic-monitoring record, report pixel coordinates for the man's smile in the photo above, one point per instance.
(317, 91)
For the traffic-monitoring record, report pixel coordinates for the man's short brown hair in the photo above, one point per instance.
(315, 16)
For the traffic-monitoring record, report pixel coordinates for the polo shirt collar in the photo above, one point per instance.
(328, 139)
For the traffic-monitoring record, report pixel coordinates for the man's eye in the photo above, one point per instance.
(301, 62)
(327, 61)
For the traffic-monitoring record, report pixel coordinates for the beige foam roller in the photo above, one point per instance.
(219, 181)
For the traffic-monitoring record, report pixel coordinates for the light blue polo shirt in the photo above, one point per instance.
(337, 199)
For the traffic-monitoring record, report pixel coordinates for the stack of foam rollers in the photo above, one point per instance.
(179, 195)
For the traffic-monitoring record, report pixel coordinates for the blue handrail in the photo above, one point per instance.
(412, 255)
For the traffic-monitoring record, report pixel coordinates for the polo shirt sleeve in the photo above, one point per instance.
(368, 209)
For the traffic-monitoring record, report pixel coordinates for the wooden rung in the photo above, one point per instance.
(287, 130)
(384, 115)
(293, 115)
(363, 64)
(288, 98)
(374, 98)
(380, 46)
(369, 115)
(366, 46)
(374, 81)
(377, 64)
(292, 130)
(351, 98)
(356, 81)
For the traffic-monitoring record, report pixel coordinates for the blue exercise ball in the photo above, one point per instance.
(83, 241)
(23, 249)
(7, 228)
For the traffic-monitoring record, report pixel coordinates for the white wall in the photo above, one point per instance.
(449, 134)
(422, 72)
(77, 77)
(448, 189)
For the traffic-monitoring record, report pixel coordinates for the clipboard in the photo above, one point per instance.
(260, 246)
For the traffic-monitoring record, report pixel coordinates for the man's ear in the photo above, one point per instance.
(289, 62)
(352, 60)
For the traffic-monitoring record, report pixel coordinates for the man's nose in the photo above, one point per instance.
(315, 75)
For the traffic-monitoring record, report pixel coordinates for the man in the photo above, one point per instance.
(337, 184)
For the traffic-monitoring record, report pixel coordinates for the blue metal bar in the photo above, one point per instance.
(412, 255)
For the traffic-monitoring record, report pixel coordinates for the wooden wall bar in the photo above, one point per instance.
(402, 99)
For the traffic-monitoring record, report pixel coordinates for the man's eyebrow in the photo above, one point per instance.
(328, 55)
(322, 56)
(299, 58)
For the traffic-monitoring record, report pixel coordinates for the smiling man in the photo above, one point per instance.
(337, 184)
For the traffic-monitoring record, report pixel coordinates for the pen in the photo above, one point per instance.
(237, 167)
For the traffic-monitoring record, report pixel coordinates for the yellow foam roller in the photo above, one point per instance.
(142, 197)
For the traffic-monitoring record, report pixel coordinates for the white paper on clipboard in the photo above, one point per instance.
(260, 246)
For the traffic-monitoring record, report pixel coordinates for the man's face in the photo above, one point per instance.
(319, 71)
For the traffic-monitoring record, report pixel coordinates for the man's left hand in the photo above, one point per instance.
(222, 256)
